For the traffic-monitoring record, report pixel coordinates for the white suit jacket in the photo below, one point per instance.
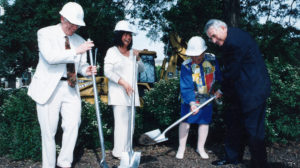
(117, 66)
(52, 62)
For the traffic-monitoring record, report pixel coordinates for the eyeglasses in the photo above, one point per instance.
(71, 23)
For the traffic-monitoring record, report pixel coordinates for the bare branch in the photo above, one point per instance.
(269, 13)
(291, 10)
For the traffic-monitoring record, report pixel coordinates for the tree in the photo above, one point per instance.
(187, 18)
(232, 12)
(282, 12)
(277, 38)
(276, 41)
(22, 19)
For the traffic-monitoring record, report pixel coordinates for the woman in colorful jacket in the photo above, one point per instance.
(198, 74)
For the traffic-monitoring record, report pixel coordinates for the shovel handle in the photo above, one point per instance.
(132, 117)
(188, 114)
(97, 108)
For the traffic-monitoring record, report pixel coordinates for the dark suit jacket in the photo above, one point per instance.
(246, 78)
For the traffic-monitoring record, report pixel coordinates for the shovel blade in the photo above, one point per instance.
(157, 136)
(148, 138)
(153, 134)
(160, 138)
(129, 160)
(152, 137)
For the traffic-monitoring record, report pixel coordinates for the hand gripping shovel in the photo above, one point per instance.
(131, 159)
(155, 136)
(102, 162)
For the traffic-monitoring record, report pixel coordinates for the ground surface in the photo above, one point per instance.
(163, 156)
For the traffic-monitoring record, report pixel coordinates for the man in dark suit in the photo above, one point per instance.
(245, 86)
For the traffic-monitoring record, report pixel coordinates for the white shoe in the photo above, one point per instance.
(203, 154)
(180, 153)
(116, 157)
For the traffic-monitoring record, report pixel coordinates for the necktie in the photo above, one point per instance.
(71, 75)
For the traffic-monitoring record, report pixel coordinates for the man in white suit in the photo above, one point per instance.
(59, 46)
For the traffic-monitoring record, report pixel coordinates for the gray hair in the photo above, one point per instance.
(216, 23)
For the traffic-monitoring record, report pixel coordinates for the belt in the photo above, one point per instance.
(63, 79)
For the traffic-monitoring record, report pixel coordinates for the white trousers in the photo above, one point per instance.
(66, 102)
(121, 138)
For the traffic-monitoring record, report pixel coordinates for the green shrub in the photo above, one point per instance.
(282, 117)
(20, 131)
(88, 132)
(161, 107)
(4, 94)
(19, 128)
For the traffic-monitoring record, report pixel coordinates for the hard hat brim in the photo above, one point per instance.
(133, 33)
(79, 23)
(195, 53)
(73, 21)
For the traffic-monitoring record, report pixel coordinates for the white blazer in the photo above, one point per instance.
(117, 66)
(52, 62)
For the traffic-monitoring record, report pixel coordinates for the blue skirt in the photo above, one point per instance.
(202, 117)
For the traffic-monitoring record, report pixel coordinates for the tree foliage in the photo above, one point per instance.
(152, 13)
(22, 19)
(188, 18)
(276, 41)
(277, 37)
(282, 12)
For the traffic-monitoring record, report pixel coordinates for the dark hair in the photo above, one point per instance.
(118, 39)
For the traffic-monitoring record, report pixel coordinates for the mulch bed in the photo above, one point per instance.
(163, 156)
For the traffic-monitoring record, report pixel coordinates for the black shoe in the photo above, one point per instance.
(223, 162)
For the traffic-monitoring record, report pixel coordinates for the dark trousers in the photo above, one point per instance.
(246, 128)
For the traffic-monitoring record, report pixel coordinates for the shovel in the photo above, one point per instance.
(102, 162)
(155, 136)
(131, 159)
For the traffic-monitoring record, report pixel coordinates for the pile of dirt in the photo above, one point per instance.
(163, 156)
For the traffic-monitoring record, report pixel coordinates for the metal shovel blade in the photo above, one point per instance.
(152, 137)
(130, 160)
(161, 138)
(153, 134)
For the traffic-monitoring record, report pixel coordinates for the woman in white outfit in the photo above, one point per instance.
(118, 68)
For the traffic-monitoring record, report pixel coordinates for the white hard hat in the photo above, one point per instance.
(124, 25)
(73, 12)
(196, 46)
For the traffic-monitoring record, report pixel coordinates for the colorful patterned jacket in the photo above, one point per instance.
(197, 80)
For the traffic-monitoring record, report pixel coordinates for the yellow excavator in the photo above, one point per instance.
(177, 56)
(147, 78)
